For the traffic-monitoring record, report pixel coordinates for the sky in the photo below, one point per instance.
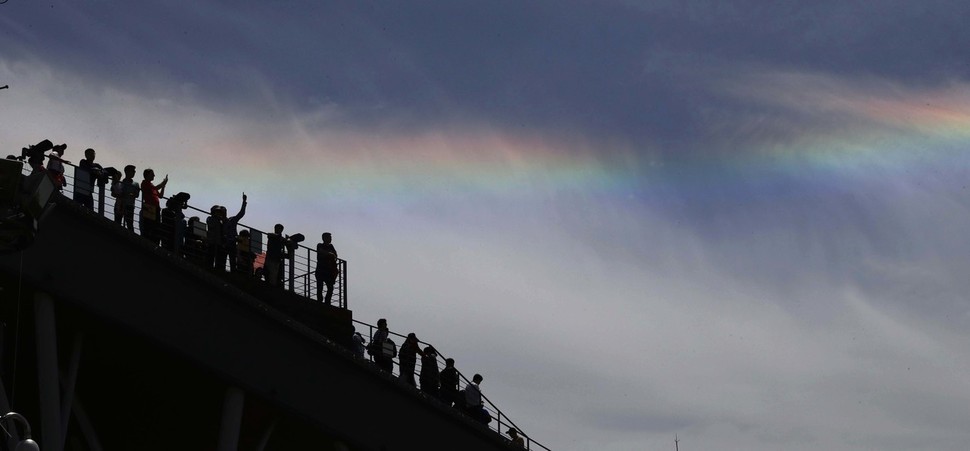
(740, 223)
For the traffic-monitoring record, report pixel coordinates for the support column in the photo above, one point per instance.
(232, 412)
(87, 429)
(264, 439)
(69, 383)
(47, 373)
(4, 403)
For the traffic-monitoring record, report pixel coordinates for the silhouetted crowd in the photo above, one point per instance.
(217, 243)
(441, 385)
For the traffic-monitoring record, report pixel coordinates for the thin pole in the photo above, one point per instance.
(67, 397)
(676, 443)
(47, 372)
(231, 423)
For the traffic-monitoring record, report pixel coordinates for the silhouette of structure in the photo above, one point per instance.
(109, 341)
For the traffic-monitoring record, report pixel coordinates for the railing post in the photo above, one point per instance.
(101, 198)
(370, 339)
(291, 257)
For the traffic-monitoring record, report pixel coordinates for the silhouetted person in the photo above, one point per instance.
(213, 238)
(126, 191)
(274, 256)
(244, 253)
(55, 166)
(150, 207)
(230, 232)
(115, 187)
(473, 401)
(357, 343)
(327, 271)
(517, 441)
(382, 348)
(194, 247)
(408, 358)
(449, 382)
(172, 229)
(429, 377)
(87, 174)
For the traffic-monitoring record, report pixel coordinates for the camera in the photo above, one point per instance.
(293, 241)
(107, 174)
(23, 202)
(35, 153)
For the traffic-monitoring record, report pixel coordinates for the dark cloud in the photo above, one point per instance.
(603, 66)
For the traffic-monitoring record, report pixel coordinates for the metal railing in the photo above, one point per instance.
(500, 421)
(300, 261)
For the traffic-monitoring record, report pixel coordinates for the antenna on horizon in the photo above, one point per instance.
(676, 443)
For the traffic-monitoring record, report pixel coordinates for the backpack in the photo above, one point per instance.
(390, 349)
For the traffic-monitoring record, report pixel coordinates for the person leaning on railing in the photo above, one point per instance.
(274, 256)
(88, 172)
(55, 166)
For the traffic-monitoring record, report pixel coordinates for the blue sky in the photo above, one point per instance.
(739, 223)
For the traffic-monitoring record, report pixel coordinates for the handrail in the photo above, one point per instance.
(486, 402)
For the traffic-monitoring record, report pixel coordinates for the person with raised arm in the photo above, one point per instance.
(150, 205)
(230, 232)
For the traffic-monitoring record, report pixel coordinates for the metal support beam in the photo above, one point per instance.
(4, 403)
(47, 373)
(232, 412)
(5, 407)
(69, 383)
(87, 429)
(264, 439)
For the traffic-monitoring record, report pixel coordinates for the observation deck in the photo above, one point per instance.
(108, 341)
